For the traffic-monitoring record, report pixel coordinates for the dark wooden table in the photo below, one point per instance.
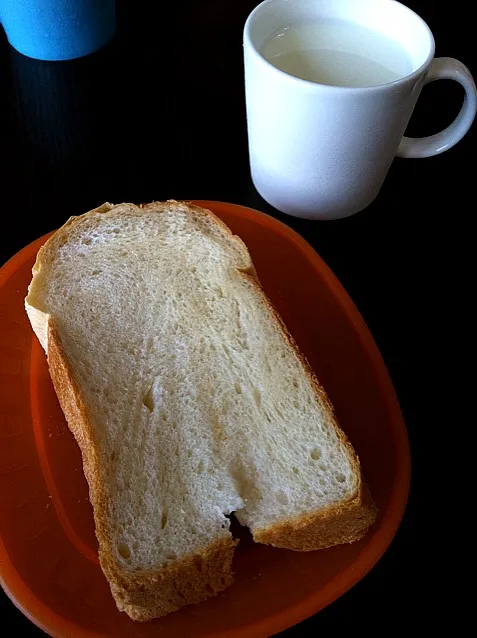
(159, 113)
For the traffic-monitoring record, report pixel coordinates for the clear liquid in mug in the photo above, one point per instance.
(337, 53)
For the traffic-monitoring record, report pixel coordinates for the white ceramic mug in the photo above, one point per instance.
(320, 151)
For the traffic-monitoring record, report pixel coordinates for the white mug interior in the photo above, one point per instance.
(389, 17)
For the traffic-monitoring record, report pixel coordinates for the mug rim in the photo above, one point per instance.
(247, 41)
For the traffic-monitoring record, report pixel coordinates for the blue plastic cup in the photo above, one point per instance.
(58, 29)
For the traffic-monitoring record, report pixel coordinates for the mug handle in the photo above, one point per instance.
(447, 69)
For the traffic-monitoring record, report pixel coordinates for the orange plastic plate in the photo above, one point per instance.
(48, 549)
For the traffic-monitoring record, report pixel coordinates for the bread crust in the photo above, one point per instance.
(337, 524)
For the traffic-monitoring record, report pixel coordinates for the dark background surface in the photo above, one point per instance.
(159, 113)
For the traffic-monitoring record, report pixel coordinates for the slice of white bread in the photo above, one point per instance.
(189, 401)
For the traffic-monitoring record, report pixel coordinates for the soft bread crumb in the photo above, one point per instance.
(189, 401)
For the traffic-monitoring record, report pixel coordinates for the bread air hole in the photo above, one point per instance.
(341, 478)
(124, 551)
(164, 518)
(148, 400)
(282, 498)
(315, 454)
